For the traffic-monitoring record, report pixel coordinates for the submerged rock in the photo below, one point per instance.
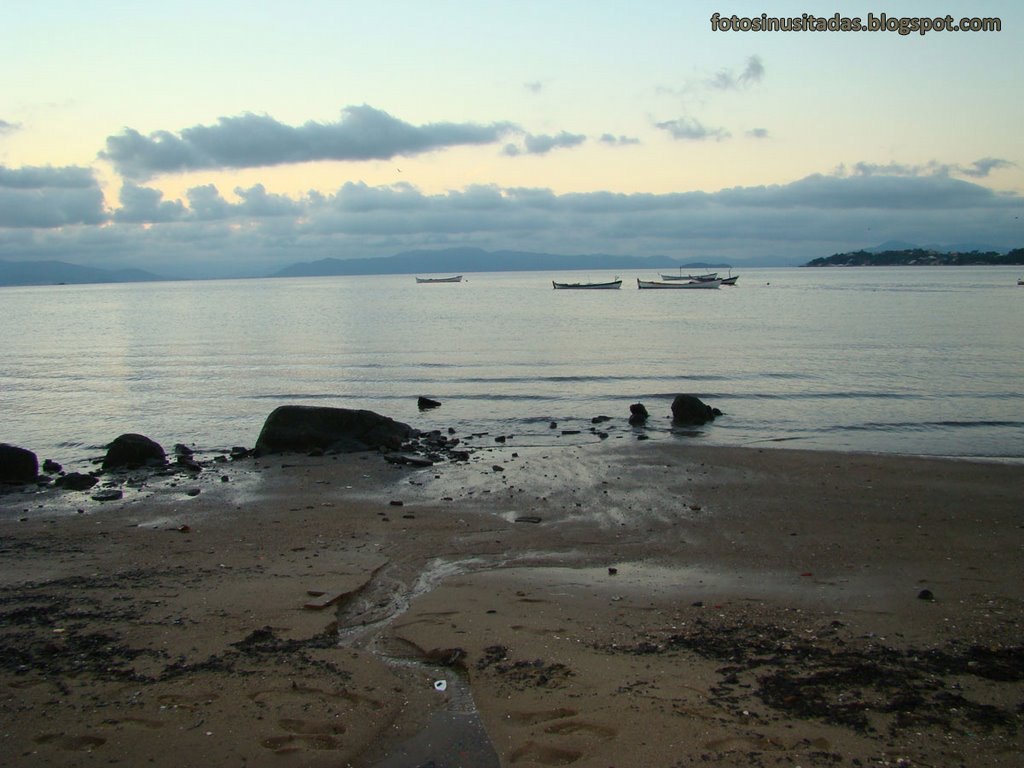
(689, 409)
(425, 403)
(638, 414)
(303, 428)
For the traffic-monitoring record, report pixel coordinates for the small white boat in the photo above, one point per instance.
(609, 285)
(640, 284)
(455, 279)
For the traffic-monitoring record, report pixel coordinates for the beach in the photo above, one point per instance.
(626, 603)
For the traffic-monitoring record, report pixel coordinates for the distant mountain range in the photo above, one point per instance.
(462, 260)
(913, 257)
(452, 261)
(61, 272)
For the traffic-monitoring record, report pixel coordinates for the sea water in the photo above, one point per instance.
(916, 360)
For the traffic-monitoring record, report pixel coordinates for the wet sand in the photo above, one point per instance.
(620, 604)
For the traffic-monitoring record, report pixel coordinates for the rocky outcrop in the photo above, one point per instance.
(130, 451)
(17, 465)
(689, 409)
(304, 428)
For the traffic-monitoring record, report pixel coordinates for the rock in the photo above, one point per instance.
(600, 419)
(638, 414)
(108, 494)
(76, 481)
(131, 450)
(688, 409)
(425, 403)
(925, 594)
(409, 459)
(52, 467)
(188, 464)
(17, 465)
(302, 428)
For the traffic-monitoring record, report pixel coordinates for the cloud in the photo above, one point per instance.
(758, 133)
(535, 86)
(725, 80)
(978, 169)
(617, 141)
(534, 144)
(6, 127)
(50, 197)
(145, 205)
(257, 232)
(42, 177)
(362, 133)
(691, 129)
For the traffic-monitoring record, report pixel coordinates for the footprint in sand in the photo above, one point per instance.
(311, 691)
(579, 727)
(532, 718)
(70, 743)
(191, 701)
(138, 722)
(283, 745)
(294, 725)
(533, 752)
(760, 743)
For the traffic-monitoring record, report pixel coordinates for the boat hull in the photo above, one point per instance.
(610, 285)
(455, 279)
(643, 284)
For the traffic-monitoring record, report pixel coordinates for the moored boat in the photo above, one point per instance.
(640, 284)
(453, 279)
(705, 278)
(610, 284)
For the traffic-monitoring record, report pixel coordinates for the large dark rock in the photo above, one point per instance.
(638, 414)
(131, 450)
(689, 409)
(303, 428)
(17, 465)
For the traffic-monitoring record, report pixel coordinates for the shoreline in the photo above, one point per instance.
(655, 604)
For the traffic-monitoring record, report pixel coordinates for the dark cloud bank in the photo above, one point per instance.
(50, 213)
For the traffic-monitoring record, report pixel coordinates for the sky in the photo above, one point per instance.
(223, 138)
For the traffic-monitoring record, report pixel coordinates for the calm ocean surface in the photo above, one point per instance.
(891, 360)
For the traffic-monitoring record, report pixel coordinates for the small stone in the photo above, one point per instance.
(108, 494)
(925, 594)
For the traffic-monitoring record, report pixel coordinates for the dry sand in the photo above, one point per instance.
(623, 604)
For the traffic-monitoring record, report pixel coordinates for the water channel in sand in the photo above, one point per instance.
(453, 736)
